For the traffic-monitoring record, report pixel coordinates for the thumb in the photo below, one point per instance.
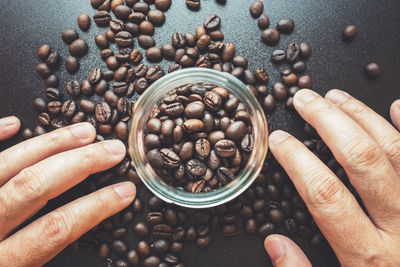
(284, 252)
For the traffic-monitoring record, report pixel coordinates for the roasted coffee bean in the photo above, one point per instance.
(235, 131)
(266, 229)
(305, 50)
(73, 88)
(238, 72)
(163, 5)
(225, 148)
(110, 36)
(215, 47)
(349, 33)
(78, 48)
(239, 61)
(132, 28)
(119, 75)
(161, 246)
(228, 52)
(141, 85)
(87, 105)
(146, 27)
(193, 4)
(140, 70)
(292, 52)
(168, 51)
(95, 76)
(153, 54)
(118, 232)
(102, 18)
(53, 59)
(203, 242)
(141, 229)
(278, 55)
(127, 216)
(101, 87)
(305, 82)
(203, 42)
(156, 17)
(178, 40)
(84, 22)
(154, 73)
(256, 8)
(212, 22)
(152, 261)
(299, 67)
(40, 104)
(269, 103)
(43, 70)
(72, 64)
(52, 81)
(216, 35)
(193, 125)
(68, 36)
(51, 94)
(270, 36)
(162, 231)
(262, 90)
(373, 70)
(44, 52)
(196, 168)
(195, 109)
(105, 53)
(143, 248)
(141, 7)
(224, 175)
(203, 147)
(263, 21)
(262, 75)
(68, 108)
(119, 247)
(285, 26)
(44, 119)
(101, 41)
(124, 39)
(132, 257)
(230, 230)
(103, 112)
(122, 12)
(154, 217)
(280, 91)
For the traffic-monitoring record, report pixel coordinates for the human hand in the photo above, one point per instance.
(40, 169)
(368, 148)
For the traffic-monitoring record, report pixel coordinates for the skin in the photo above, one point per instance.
(40, 169)
(368, 148)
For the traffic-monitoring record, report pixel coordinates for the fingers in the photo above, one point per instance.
(9, 126)
(38, 242)
(30, 190)
(23, 155)
(395, 113)
(387, 137)
(332, 206)
(284, 252)
(367, 166)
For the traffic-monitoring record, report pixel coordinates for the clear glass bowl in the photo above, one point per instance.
(153, 95)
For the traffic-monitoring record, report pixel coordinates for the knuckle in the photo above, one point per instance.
(375, 257)
(54, 139)
(392, 148)
(28, 183)
(325, 189)
(362, 153)
(101, 203)
(56, 229)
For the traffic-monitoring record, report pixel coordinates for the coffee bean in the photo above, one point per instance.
(305, 50)
(235, 131)
(195, 109)
(143, 248)
(156, 17)
(123, 39)
(40, 104)
(101, 41)
(44, 52)
(84, 22)
(256, 9)
(350, 33)
(160, 246)
(78, 48)
(68, 108)
(53, 93)
(152, 261)
(69, 35)
(73, 88)
(102, 18)
(278, 55)
(43, 70)
(162, 231)
(263, 22)
(119, 247)
(225, 148)
(299, 67)
(170, 159)
(146, 41)
(103, 112)
(266, 229)
(228, 52)
(112, 63)
(44, 119)
(216, 35)
(285, 26)
(122, 12)
(196, 168)
(292, 52)
(53, 59)
(203, 42)
(373, 70)
(212, 22)
(262, 75)
(193, 125)
(72, 64)
(153, 54)
(203, 147)
(193, 4)
(280, 91)
(305, 82)
(141, 7)
(270, 36)
(269, 103)
(289, 79)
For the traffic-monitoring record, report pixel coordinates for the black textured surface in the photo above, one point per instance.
(26, 24)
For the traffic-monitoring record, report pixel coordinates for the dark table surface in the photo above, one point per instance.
(27, 24)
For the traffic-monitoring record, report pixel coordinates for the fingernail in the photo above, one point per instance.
(304, 96)
(278, 137)
(275, 250)
(9, 121)
(82, 130)
(125, 189)
(337, 97)
(115, 147)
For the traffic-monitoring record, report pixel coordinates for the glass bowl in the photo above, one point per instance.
(153, 95)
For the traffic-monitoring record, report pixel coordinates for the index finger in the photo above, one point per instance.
(332, 206)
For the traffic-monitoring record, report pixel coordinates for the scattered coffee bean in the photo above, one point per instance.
(256, 8)
(350, 33)
(373, 70)
(84, 22)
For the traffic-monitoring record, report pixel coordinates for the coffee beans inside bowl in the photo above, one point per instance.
(199, 137)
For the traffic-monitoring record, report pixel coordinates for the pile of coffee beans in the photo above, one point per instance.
(200, 138)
